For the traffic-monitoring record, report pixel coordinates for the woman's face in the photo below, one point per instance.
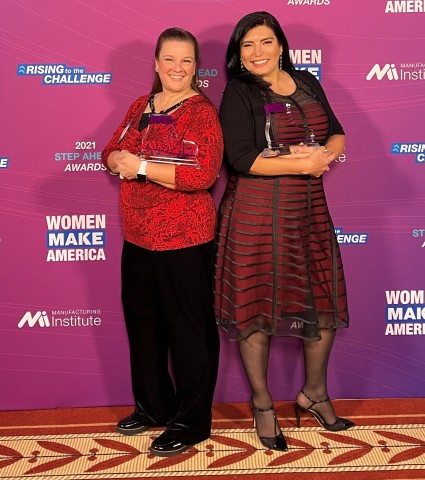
(260, 51)
(176, 65)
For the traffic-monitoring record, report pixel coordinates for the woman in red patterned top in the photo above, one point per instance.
(169, 221)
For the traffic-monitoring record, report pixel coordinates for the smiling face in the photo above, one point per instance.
(260, 51)
(176, 65)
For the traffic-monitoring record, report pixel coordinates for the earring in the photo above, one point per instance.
(280, 62)
(242, 67)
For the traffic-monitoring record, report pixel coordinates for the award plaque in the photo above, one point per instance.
(177, 150)
(280, 114)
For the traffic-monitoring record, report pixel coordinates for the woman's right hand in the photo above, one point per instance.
(124, 163)
(303, 160)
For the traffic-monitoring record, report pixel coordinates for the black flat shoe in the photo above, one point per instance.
(337, 426)
(167, 445)
(278, 442)
(132, 425)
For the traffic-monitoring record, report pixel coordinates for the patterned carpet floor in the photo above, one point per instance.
(388, 442)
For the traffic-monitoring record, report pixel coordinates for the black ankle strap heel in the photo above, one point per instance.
(338, 425)
(277, 442)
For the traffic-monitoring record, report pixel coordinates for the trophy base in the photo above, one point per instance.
(189, 162)
(281, 150)
(276, 152)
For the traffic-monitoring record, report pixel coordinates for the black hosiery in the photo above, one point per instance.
(254, 351)
(316, 358)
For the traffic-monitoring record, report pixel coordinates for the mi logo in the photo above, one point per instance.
(40, 317)
(389, 70)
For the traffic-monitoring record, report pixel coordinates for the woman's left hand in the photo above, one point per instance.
(304, 151)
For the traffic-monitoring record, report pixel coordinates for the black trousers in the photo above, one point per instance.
(173, 336)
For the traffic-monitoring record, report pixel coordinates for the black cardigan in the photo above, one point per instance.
(243, 119)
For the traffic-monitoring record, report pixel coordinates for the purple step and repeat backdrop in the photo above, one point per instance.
(69, 71)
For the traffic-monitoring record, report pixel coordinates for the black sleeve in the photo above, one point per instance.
(335, 128)
(238, 124)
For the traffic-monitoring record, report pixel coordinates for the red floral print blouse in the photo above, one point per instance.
(158, 218)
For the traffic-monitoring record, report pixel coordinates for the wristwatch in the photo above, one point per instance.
(141, 173)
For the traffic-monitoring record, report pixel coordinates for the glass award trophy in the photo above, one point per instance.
(177, 151)
(278, 117)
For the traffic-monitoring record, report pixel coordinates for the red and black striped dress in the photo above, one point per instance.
(278, 265)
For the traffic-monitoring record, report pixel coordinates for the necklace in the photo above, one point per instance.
(173, 107)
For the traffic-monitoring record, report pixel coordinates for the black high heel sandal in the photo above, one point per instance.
(277, 442)
(337, 426)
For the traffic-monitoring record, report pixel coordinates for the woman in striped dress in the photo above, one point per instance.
(278, 265)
